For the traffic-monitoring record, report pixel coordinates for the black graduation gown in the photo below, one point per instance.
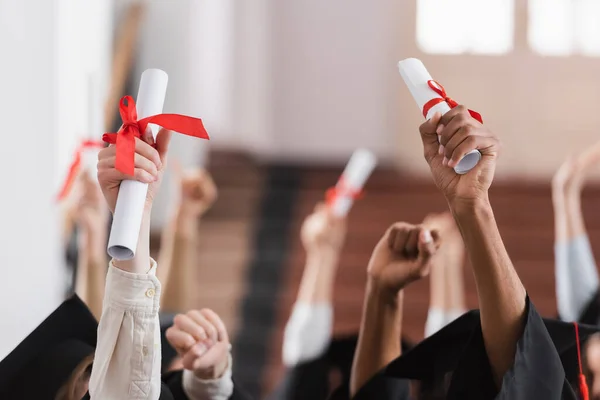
(545, 362)
(591, 313)
(311, 379)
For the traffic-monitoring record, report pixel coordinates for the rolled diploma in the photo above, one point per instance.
(416, 76)
(356, 173)
(129, 209)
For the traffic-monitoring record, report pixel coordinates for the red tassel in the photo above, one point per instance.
(583, 387)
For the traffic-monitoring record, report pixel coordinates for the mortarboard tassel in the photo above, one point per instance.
(583, 387)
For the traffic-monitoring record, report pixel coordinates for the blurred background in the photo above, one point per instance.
(288, 90)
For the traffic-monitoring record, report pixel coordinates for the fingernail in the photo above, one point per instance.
(451, 163)
(439, 129)
(199, 349)
(445, 161)
(427, 238)
(441, 149)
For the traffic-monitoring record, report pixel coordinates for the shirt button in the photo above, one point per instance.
(150, 293)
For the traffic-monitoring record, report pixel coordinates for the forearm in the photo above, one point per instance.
(183, 252)
(379, 338)
(140, 264)
(500, 291)
(455, 290)
(91, 269)
(574, 214)
(318, 277)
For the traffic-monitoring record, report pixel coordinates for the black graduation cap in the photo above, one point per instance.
(44, 360)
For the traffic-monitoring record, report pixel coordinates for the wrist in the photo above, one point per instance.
(323, 256)
(382, 295)
(186, 223)
(215, 372)
(469, 207)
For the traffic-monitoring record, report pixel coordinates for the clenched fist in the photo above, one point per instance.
(403, 255)
(201, 339)
(321, 231)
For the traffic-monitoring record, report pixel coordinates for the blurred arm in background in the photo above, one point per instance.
(178, 257)
(575, 268)
(91, 215)
(447, 294)
(308, 330)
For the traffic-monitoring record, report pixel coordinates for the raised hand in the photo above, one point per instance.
(321, 231)
(198, 192)
(403, 255)
(91, 211)
(150, 159)
(459, 133)
(201, 339)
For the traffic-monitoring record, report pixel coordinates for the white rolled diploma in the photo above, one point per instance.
(129, 209)
(356, 173)
(416, 76)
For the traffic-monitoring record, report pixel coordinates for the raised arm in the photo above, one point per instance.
(575, 268)
(500, 291)
(402, 256)
(446, 290)
(127, 359)
(92, 218)
(178, 258)
(308, 330)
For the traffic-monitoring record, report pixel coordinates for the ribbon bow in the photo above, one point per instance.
(76, 165)
(341, 189)
(133, 128)
(439, 89)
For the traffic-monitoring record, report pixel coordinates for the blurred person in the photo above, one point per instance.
(446, 288)
(313, 359)
(91, 219)
(505, 350)
(575, 267)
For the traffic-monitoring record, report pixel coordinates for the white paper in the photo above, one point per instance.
(354, 177)
(416, 76)
(129, 209)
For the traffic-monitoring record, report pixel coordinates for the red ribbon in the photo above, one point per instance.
(439, 89)
(583, 387)
(76, 165)
(132, 128)
(341, 189)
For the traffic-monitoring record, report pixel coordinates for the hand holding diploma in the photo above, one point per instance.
(431, 97)
(129, 206)
(350, 184)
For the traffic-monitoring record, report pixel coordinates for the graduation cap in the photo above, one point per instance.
(45, 360)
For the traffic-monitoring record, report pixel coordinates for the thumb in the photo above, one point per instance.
(162, 142)
(215, 355)
(429, 136)
(427, 246)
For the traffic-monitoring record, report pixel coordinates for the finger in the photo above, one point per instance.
(194, 353)
(106, 174)
(401, 235)
(470, 143)
(217, 322)
(107, 152)
(447, 131)
(149, 152)
(426, 246)
(187, 324)
(162, 143)
(212, 356)
(148, 137)
(459, 109)
(411, 249)
(429, 137)
(181, 341)
(210, 331)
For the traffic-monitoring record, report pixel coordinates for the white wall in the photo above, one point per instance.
(31, 268)
(45, 99)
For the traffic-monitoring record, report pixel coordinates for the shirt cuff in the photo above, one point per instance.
(127, 291)
(213, 389)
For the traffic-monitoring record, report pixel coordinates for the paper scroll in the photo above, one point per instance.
(350, 184)
(416, 76)
(129, 209)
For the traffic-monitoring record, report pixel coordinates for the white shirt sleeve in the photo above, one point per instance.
(213, 389)
(307, 333)
(127, 360)
(436, 320)
(576, 277)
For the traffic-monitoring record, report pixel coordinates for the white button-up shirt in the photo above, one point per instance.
(128, 355)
